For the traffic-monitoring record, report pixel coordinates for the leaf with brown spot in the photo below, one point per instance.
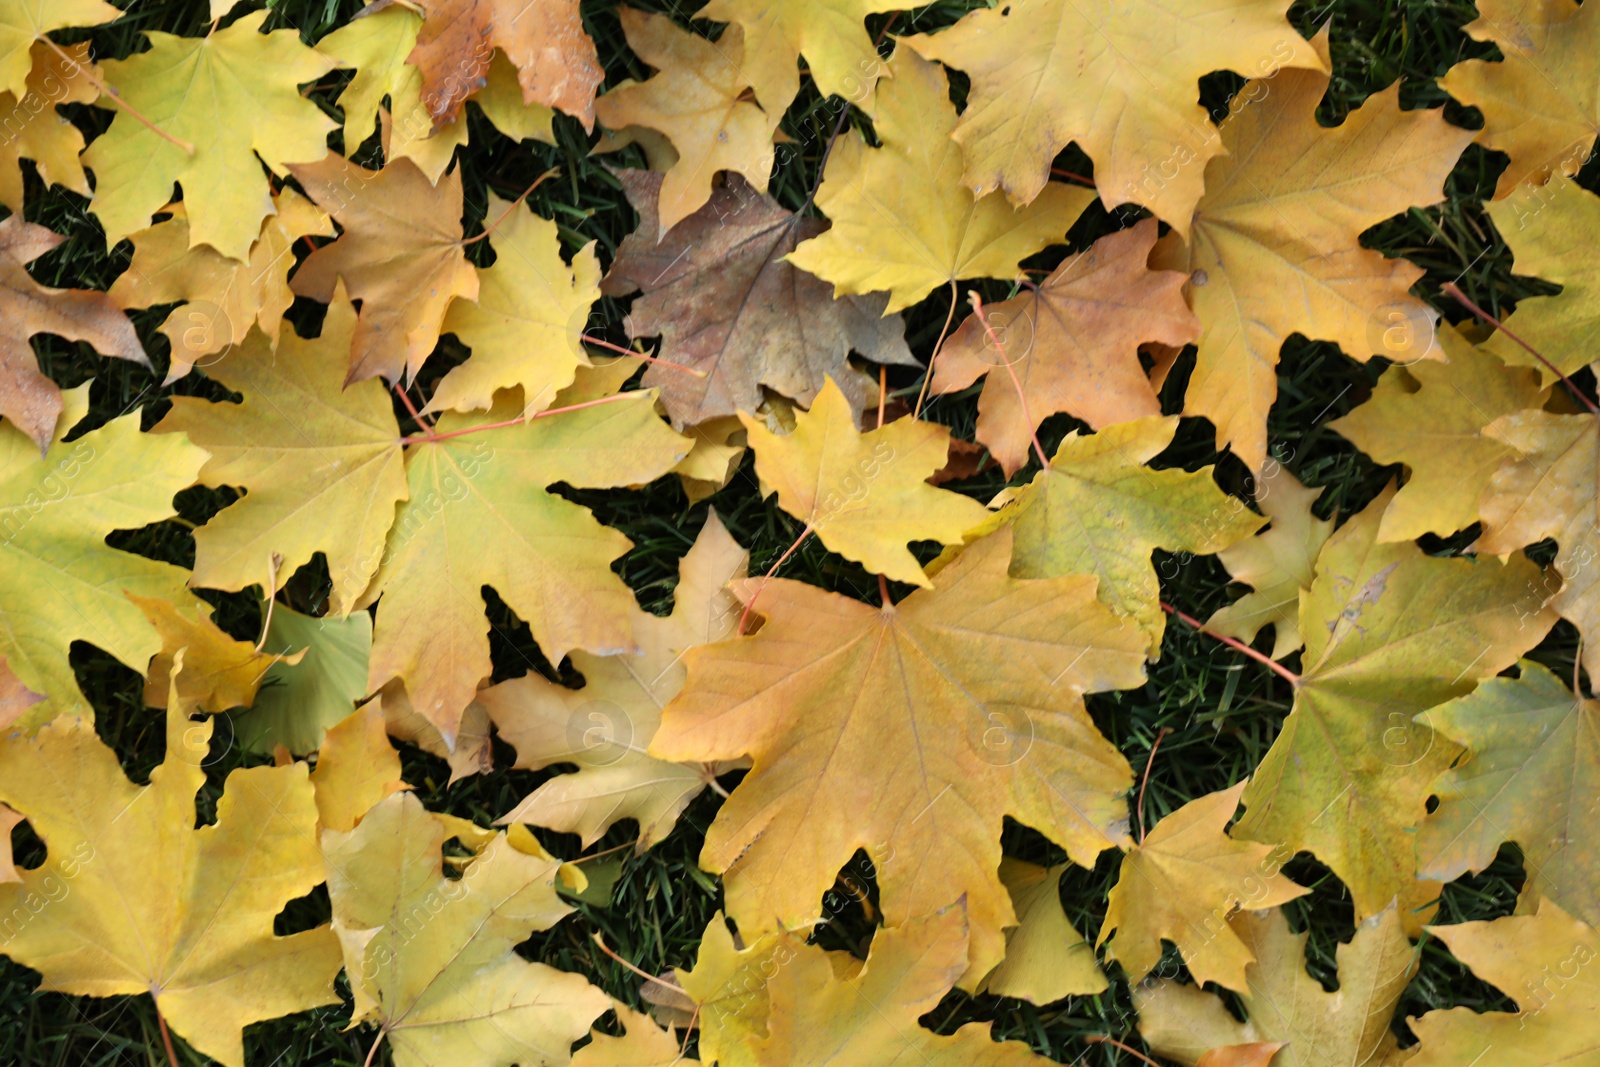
(556, 61)
(722, 295)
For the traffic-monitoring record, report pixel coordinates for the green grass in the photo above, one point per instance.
(1221, 710)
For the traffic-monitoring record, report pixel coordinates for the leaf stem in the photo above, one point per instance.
(430, 437)
(937, 345)
(106, 90)
(1022, 398)
(372, 1053)
(598, 343)
(768, 577)
(274, 561)
(600, 939)
(553, 172)
(1130, 1050)
(166, 1037)
(1071, 176)
(1145, 780)
(416, 416)
(1451, 290)
(1235, 644)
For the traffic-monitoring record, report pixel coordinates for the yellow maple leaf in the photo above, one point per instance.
(1097, 509)
(1541, 102)
(1274, 247)
(606, 726)
(1529, 776)
(525, 327)
(1431, 417)
(864, 494)
(59, 580)
(139, 900)
(1279, 563)
(902, 221)
(356, 768)
(303, 445)
(1548, 231)
(480, 513)
(219, 672)
(1119, 79)
(400, 255)
(1182, 883)
(830, 34)
(642, 1044)
(872, 1017)
(221, 298)
(1288, 1007)
(1541, 962)
(183, 85)
(909, 730)
(1548, 489)
(23, 22)
(431, 960)
(1046, 958)
(35, 130)
(1390, 632)
(696, 100)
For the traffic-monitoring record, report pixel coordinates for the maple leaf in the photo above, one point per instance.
(864, 494)
(1098, 510)
(1539, 961)
(377, 44)
(1072, 344)
(431, 959)
(471, 754)
(818, 1021)
(480, 513)
(219, 672)
(222, 298)
(1390, 632)
(1121, 80)
(727, 990)
(556, 62)
(22, 22)
(725, 300)
(1545, 231)
(902, 221)
(1181, 884)
(606, 726)
(356, 768)
(36, 130)
(1529, 776)
(1549, 490)
(642, 1044)
(183, 85)
(831, 34)
(302, 445)
(29, 400)
(696, 100)
(1286, 1005)
(320, 673)
(1273, 249)
(400, 255)
(1046, 958)
(1279, 563)
(59, 581)
(1431, 416)
(154, 904)
(861, 719)
(1541, 102)
(525, 326)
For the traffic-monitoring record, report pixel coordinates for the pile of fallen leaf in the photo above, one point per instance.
(906, 728)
